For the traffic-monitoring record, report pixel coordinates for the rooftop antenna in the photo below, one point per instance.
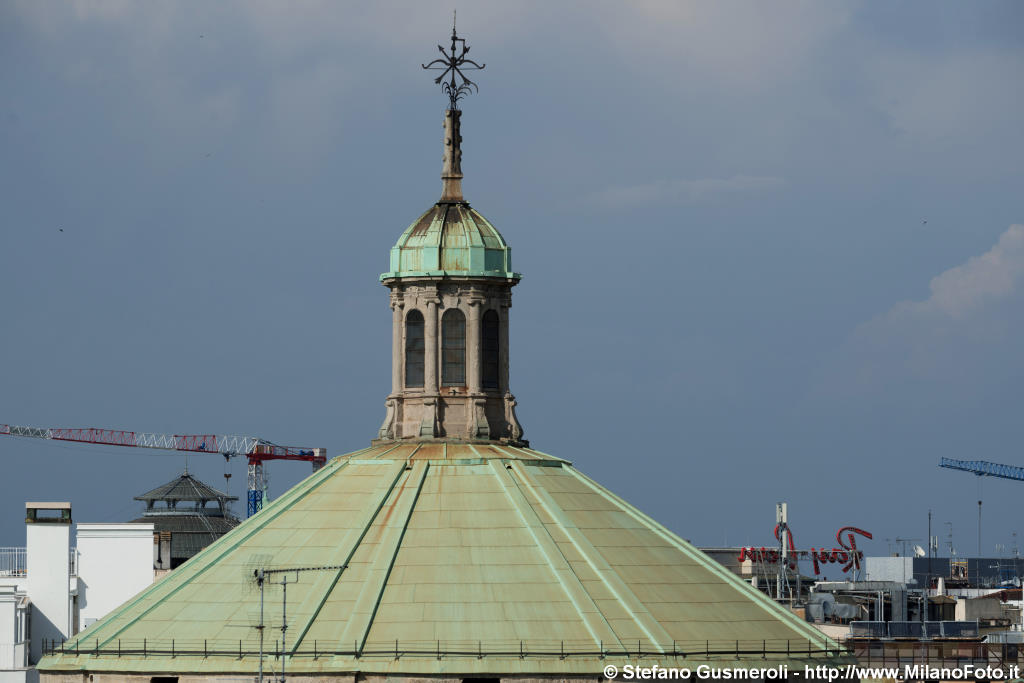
(452, 66)
(782, 578)
(227, 477)
(260, 577)
(933, 545)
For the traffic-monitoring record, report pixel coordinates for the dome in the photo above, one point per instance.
(445, 560)
(451, 239)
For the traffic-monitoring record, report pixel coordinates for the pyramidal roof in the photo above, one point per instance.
(444, 558)
(185, 488)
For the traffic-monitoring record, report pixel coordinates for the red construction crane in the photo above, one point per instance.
(257, 451)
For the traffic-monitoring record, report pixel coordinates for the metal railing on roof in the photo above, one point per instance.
(684, 654)
(680, 651)
(921, 630)
(12, 562)
(935, 655)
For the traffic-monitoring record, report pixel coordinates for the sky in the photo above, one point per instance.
(771, 251)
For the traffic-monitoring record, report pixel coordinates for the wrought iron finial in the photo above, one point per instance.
(451, 67)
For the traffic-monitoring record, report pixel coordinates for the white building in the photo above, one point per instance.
(895, 569)
(50, 591)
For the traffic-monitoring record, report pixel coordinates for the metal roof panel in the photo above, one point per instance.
(479, 548)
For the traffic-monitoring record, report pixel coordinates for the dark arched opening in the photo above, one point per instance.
(489, 351)
(414, 349)
(453, 348)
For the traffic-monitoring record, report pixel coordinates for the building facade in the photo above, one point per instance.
(51, 591)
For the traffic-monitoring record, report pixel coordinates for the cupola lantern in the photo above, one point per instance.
(451, 285)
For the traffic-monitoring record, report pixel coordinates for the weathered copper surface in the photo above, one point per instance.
(453, 557)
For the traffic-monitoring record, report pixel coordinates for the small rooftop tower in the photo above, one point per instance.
(48, 572)
(451, 285)
(187, 515)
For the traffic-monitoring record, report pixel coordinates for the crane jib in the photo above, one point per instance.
(195, 443)
(983, 468)
(254, 449)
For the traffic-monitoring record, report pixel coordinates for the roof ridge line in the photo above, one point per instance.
(264, 520)
(396, 548)
(544, 545)
(623, 594)
(351, 553)
(710, 565)
(384, 452)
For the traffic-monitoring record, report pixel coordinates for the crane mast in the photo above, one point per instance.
(257, 451)
(983, 468)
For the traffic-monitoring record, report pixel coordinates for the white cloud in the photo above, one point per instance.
(684, 191)
(964, 337)
(962, 290)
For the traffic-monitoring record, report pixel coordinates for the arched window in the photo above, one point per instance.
(453, 348)
(414, 349)
(489, 351)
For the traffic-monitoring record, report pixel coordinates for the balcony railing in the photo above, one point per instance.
(920, 630)
(13, 562)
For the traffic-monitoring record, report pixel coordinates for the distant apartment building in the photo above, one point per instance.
(49, 590)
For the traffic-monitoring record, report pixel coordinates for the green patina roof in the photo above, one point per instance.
(438, 559)
(451, 239)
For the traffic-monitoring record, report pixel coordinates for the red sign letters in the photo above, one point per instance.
(846, 554)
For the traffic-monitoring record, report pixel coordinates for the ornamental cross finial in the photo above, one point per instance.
(452, 66)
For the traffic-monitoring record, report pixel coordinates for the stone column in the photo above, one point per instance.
(514, 430)
(428, 422)
(388, 429)
(503, 360)
(433, 345)
(397, 348)
(473, 347)
(476, 412)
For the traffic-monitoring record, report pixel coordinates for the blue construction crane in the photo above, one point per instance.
(983, 468)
